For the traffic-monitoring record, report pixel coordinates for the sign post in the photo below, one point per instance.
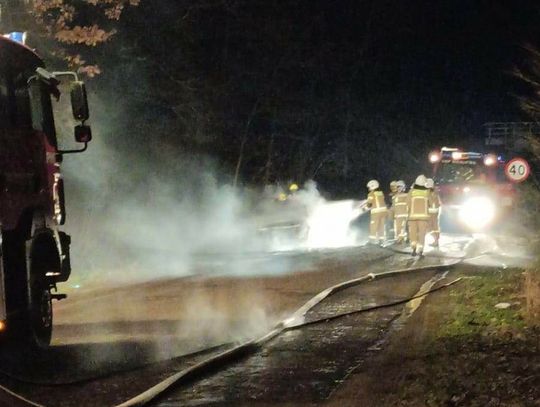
(517, 169)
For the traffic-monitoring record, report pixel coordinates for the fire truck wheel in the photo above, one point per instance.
(41, 314)
(32, 328)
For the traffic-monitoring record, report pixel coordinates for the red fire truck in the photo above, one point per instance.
(34, 253)
(473, 188)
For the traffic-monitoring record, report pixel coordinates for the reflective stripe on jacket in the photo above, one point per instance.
(376, 201)
(419, 201)
(399, 205)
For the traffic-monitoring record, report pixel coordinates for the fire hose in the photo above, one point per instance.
(296, 321)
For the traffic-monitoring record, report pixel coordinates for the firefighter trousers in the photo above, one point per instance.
(417, 233)
(376, 226)
(434, 227)
(389, 225)
(400, 228)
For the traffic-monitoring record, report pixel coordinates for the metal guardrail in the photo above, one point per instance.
(510, 135)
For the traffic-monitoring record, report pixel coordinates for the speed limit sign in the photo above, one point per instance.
(517, 169)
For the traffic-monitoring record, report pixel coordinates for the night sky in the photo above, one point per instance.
(339, 91)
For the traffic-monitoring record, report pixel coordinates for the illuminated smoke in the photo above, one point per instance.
(309, 221)
(329, 223)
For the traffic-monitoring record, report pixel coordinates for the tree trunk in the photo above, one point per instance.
(244, 141)
(268, 165)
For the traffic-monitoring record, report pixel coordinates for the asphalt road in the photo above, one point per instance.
(113, 342)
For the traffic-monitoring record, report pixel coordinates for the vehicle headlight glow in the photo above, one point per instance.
(490, 160)
(477, 212)
(434, 157)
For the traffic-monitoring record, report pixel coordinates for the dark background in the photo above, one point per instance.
(337, 91)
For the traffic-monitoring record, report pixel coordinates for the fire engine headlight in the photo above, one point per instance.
(434, 157)
(477, 212)
(490, 160)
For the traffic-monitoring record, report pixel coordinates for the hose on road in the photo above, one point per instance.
(296, 321)
(373, 307)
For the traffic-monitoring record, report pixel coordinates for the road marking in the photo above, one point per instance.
(413, 305)
(410, 309)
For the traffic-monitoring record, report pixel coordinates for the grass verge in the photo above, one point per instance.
(481, 348)
(458, 349)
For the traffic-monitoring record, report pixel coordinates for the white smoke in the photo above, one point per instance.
(155, 211)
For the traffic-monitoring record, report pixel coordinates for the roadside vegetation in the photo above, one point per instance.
(484, 351)
(473, 345)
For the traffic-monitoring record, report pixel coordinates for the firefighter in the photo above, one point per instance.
(389, 224)
(393, 188)
(418, 203)
(400, 211)
(378, 211)
(293, 188)
(434, 212)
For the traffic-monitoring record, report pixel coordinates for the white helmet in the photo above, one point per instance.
(373, 184)
(421, 180)
(401, 185)
(430, 183)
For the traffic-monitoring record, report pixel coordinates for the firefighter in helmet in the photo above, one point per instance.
(400, 211)
(389, 224)
(285, 195)
(418, 202)
(293, 188)
(434, 212)
(393, 188)
(378, 211)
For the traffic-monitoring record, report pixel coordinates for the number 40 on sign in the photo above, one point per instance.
(517, 169)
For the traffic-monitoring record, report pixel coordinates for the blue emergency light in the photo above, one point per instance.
(458, 155)
(17, 36)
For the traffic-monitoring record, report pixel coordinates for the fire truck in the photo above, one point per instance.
(34, 255)
(474, 191)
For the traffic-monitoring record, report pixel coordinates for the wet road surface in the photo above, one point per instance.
(306, 365)
(102, 331)
(131, 337)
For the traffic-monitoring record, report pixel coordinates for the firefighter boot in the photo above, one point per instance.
(436, 236)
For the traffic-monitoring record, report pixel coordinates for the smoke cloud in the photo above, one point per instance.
(138, 208)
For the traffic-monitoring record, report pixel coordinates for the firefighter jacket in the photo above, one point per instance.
(435, 205)
(399, 205)
(375, 201)
(419, 200)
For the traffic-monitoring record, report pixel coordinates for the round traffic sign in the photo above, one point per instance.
(517, 169)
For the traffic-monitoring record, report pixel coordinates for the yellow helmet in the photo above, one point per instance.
(282, 197)
(293, 187)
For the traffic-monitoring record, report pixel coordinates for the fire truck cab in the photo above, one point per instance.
(473, 188)
(34, 253)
